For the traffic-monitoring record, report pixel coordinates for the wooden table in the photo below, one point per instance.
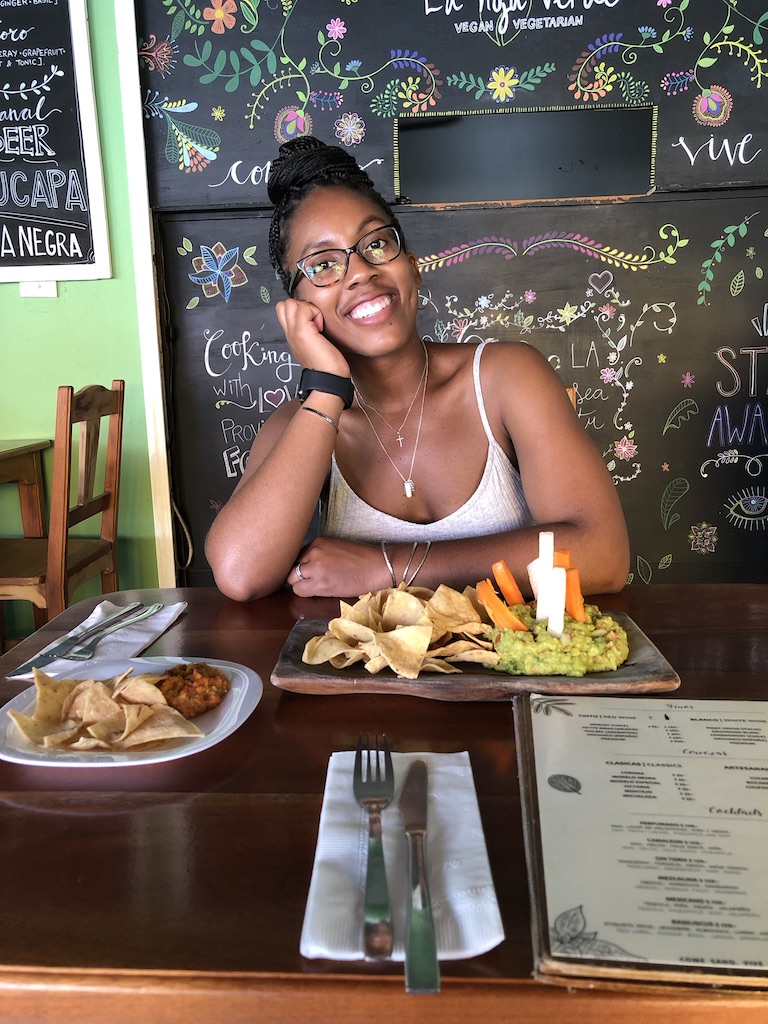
(21, 463)
(176, 892)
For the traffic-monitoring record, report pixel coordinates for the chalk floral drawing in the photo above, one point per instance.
(349, 129)
(191, 146)
(221, 15)
(159, 55)
(217, 270)
(594, 76)
(703, 538)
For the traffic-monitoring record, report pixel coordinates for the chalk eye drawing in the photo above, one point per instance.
(570, 937)
(673, 492)
(565, 783)
(748, 509)
(546, 705)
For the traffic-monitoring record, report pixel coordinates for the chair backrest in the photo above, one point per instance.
(88, 407)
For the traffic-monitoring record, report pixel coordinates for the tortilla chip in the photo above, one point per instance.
(51, 694)
(476, 656)
(402, 609)
(89, 702)
(438, 665)
(140, 690)
(36, 731)
(404, 648)
(164, 723)
(324, 648)
(350, 632)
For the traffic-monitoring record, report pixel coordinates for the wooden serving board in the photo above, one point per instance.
(645, 671)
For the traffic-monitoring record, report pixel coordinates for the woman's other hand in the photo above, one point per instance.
(329, 567)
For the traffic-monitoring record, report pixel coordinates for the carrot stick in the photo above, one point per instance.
(574, 599)
(506, 583)
(500, 614)
(563, 558)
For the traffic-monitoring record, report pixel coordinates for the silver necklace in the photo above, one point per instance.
(408, 485)
(397, 431)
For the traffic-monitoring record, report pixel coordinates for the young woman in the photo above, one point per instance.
(429, 460)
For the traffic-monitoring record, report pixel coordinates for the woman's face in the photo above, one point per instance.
(371, 308)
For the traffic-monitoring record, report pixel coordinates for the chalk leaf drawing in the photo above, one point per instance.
(570, 937)
(682, 412)
(673, 492)
(719, 246)
(578, 243)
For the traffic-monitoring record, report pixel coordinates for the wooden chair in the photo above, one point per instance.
(48, 570)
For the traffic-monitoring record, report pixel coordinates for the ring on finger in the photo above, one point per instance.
(297, 570)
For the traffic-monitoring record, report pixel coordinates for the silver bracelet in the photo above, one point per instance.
(415, 572)
(334, 424)
(389, 563)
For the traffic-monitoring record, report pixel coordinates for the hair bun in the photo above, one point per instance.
(307, 160)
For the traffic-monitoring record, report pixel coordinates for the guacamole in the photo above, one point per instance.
(597, 645)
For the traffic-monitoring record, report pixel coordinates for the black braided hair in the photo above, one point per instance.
(301, 166)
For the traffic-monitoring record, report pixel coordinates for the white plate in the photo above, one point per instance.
(244, 694)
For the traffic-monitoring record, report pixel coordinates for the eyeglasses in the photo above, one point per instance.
(382, 245)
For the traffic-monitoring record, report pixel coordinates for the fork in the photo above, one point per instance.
(87, 650)
(374, 791)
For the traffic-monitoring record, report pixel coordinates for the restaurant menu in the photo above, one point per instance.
(647, 835)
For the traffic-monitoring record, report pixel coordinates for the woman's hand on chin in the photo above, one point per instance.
(302, 324)
(329, 567)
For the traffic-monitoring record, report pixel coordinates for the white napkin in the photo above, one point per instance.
(123, 643)
(464, 907)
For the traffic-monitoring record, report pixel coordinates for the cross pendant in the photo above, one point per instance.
(400, 439)
(409, 487)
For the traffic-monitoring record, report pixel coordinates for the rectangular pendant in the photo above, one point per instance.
(409, 488)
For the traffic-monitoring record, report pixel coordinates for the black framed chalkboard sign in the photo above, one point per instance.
(52, 213)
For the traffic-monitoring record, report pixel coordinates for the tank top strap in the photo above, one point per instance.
(479, 390)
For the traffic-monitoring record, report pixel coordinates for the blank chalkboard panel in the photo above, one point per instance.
(654, 310)
(545, 154)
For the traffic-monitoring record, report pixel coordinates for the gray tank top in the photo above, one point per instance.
(497, 505)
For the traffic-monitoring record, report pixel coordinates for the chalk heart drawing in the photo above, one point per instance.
(275, 398)
(601, 281)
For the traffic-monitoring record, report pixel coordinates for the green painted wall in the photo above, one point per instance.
(87, 335)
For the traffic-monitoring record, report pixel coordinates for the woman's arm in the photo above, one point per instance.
(256, 537)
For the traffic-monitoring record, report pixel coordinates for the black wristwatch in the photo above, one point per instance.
(330, 383)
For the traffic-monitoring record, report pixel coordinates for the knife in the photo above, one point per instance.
(422, 971)
(66, 645)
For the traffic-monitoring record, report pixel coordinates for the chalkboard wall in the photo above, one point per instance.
(653, 307)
